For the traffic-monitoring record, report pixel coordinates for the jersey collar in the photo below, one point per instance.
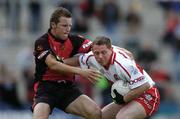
(55, 38)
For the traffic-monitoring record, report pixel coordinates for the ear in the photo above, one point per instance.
(53, 25)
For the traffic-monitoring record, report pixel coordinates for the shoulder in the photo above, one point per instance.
(80, 44)
(123, 61)
(42, 39)
(76, 37)
(86, 57)
(42, 43)
(124, 52)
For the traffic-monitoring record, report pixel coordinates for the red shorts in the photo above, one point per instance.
(150, 100)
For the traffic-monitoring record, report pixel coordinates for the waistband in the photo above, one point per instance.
(58, 82)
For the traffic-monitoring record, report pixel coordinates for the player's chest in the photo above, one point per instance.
(111, 74)
(62, 49)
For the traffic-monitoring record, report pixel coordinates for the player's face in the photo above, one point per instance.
(102, 54)
(62, 29)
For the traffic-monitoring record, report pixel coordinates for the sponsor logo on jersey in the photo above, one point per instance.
(137, 80)
(86, 45)
(42, 54)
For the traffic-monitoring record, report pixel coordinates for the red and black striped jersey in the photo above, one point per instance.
(48, 44)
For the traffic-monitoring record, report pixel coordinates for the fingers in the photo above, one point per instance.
(91, 74)
(93, 79)
(94, 76)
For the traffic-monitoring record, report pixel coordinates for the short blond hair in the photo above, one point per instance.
(102, 40)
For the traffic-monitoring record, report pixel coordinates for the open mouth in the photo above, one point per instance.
(65, 33)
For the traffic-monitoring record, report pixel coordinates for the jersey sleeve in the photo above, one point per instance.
(41, 50)
(130, 71)
(137, 78)
(85, 46)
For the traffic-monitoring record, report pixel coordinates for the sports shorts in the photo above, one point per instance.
(58, 95)
(150, 100)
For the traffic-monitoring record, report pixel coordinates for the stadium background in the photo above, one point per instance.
(150, 29)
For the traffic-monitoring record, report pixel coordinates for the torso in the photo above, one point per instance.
(122, 67)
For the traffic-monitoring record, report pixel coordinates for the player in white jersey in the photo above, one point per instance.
(116, 64)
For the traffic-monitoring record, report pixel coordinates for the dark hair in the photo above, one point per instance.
(60, 12)
(102, 40)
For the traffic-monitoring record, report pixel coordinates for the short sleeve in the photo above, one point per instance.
(85, 47)
(137, 77)
(41, 50)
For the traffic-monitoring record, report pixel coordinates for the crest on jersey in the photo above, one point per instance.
(133, 70)
(39, 48)
(148, 97)
(116, 77)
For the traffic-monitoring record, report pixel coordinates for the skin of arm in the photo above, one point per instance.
(62, 68)
(136, 92)
(73, 61)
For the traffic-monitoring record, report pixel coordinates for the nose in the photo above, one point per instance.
(100, 56)
(68, 28)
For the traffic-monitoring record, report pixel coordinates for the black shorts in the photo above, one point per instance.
(58, 95)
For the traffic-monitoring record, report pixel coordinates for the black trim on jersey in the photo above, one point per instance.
(41, 66)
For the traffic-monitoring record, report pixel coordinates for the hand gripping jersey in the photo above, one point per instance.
(60, 49)
(121, 67)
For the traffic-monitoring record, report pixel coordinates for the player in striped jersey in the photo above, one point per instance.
(116, 64)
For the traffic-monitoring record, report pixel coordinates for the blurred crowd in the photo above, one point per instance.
(149, 29)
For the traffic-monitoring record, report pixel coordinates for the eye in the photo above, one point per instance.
(104, 52)
(65, 25)
(96, 53)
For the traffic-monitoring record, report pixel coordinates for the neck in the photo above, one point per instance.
(53, 34)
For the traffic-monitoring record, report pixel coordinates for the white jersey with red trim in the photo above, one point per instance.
(122, 67)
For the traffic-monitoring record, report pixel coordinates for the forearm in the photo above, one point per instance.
(60, 67)
(74, 61)
(136, 92)
(64, 68)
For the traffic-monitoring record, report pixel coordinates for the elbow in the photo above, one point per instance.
(53, 66)
(147, 86)
(52, 63)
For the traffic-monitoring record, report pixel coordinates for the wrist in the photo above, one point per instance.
(77, 70)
